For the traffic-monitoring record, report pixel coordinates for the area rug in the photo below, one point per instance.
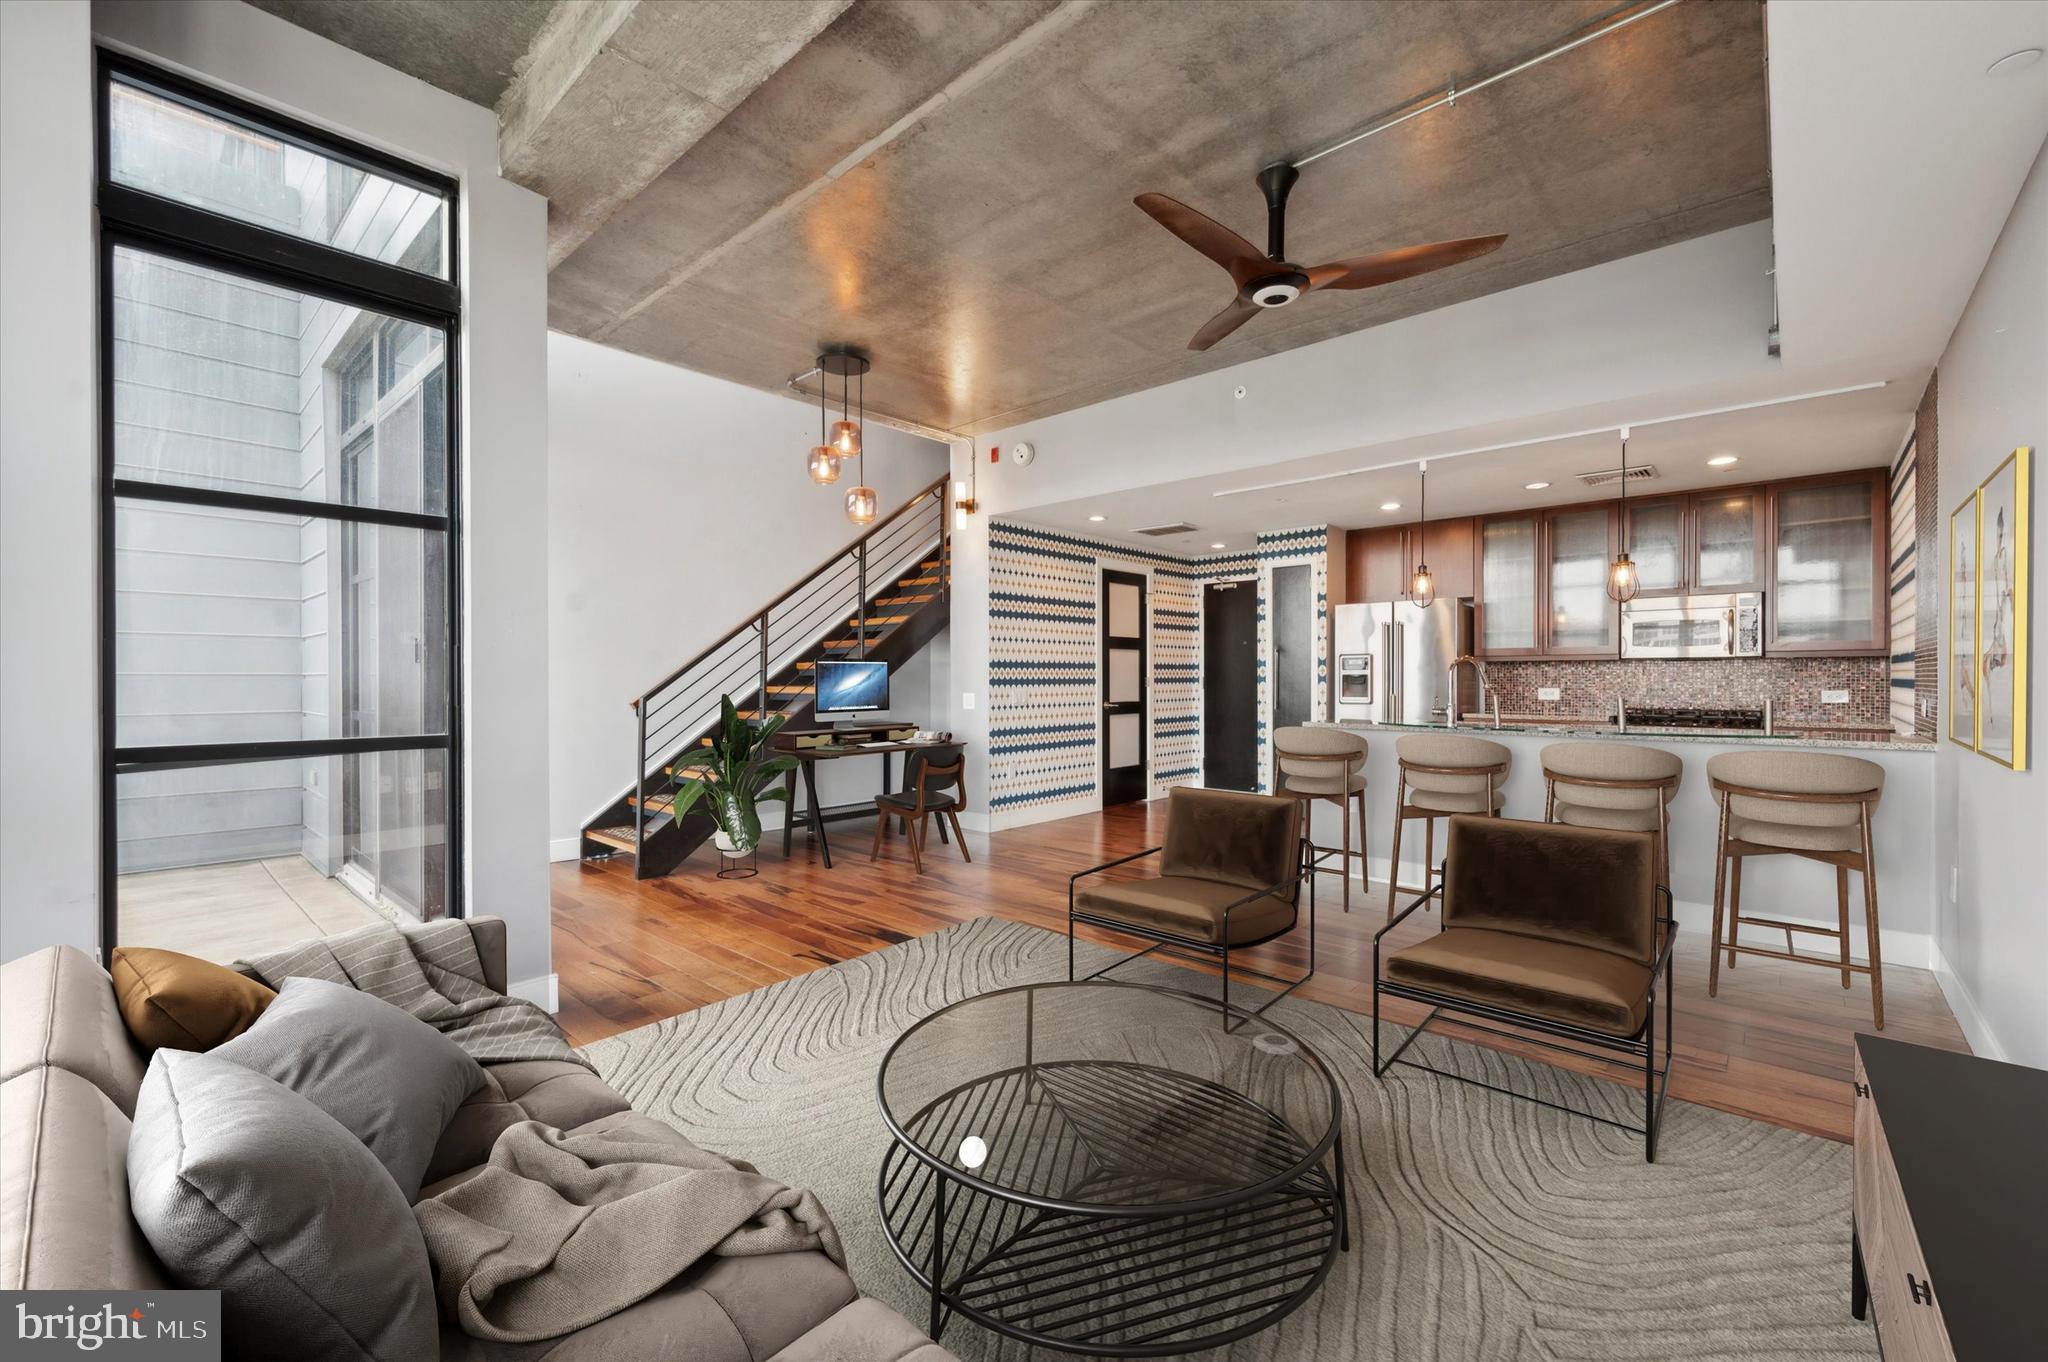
(1482, 1227)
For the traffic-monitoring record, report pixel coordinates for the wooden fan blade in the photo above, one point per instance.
(1366, 271)
(1223, 323)
(1205, 234)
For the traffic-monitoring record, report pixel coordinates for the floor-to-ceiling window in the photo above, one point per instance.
(279, 673)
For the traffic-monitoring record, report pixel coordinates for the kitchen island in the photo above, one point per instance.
(1779, 886)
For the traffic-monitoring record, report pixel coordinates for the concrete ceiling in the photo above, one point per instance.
(471, 49)
(950, 184)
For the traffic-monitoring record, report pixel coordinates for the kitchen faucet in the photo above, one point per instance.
(1451, 686)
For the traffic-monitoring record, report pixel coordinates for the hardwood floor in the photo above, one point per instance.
(1775, 1045)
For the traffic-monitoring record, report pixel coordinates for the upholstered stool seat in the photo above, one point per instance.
(1618, 785)
(1324, 763)
(1443, 774)
(1816, 805)
(1577, 985)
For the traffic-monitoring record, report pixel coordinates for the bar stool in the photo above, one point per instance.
(1810, 804)
(1613, 785)
(1324, 763)
(1442, 774)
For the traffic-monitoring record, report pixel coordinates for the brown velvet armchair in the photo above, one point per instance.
(1230, 876)
(1550, 928)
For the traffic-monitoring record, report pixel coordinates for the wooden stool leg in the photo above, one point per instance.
(1364, 846)
(1394, 861)
(1344, 817)
(1842, 916)
(1428, 854)
(959, 837)
(1870, 925)
(1734, 909)
(1720, 872)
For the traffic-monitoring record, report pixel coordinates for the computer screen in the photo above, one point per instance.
(852, 687)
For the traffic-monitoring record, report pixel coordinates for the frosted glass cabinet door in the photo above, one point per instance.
(1582, 617)
(1825, 579)
(1656, 540)
(1507, 586)
(1724, 536)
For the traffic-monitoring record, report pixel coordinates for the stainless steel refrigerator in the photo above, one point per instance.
(1393, 661)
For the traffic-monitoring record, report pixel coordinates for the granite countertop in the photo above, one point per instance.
(1792, 735)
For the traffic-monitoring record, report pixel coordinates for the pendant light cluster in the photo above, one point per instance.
(1622, 579)
(1422, 586)
(842, 440)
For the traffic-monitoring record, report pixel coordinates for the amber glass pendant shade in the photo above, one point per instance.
(823, 465)
(846, 438)
(1422, 586)
(860, 505)
(1622, 579)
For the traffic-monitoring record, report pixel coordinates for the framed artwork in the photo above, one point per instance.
(2003, 503)
(1962, 623)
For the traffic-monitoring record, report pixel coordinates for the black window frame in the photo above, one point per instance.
(139, 220)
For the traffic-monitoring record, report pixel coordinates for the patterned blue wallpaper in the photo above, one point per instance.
(1043, 708)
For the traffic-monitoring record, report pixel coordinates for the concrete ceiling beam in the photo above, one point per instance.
(611, 92)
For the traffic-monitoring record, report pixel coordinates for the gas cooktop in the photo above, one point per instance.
(1660, 716)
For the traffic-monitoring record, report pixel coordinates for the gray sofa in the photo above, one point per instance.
(69, 1076)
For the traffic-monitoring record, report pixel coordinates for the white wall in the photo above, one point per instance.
(679, 503)
(49, 641)
(1993, 935)
(51, 437)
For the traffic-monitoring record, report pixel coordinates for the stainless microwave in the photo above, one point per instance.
(1694, 626)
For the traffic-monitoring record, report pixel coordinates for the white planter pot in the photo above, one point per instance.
(723, 842)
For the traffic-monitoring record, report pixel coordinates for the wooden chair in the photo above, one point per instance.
(1325, 763)
(1613, 785)
(933, 787)
(1229, 878)
(1442, 774)
(1550, 929)
(1811, 804)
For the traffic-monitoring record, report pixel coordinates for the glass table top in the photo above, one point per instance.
(1099, 1096)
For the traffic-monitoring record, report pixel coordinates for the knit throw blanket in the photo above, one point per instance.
(432, 971)
(560, 1230)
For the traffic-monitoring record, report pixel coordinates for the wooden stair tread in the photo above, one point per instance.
(658, 803)
(905, 600)
(620, 838)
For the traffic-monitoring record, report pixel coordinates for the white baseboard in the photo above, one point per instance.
(1976, 1030)
(546, 991)
(565, 849)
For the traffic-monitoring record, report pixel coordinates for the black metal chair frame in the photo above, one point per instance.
(1642, 1044)
(1175, 946)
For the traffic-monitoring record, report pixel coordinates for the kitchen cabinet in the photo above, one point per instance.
(1379, 562)
(1657, 543)
(1727, 528)
(1509, 586)
(1580, 619)
(1828, 582)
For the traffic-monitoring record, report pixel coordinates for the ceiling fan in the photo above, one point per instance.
(1269, 280)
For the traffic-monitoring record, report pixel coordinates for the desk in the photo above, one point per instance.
(807, 759)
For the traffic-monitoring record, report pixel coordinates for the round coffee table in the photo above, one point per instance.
(1103, 1168)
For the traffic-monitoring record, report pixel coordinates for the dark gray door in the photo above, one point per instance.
(1122, 620)
(1230, 686)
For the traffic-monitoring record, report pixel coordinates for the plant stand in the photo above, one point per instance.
(734, 866)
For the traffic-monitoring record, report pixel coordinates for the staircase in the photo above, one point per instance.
(881, 598)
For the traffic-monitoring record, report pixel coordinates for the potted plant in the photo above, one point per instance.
(733, 776)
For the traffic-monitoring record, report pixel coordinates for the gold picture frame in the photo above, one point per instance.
(1962, 623)
(2004, 502)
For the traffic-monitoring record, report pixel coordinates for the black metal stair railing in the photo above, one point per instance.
(677, 710)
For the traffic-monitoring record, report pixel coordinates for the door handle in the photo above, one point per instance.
(1731, 632)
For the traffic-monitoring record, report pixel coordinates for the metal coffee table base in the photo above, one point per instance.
(1114, 1281)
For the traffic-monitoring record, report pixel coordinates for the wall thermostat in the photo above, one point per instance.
(1022, 453)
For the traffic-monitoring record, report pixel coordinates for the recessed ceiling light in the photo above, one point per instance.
(1096, 518)
(1721, 461)
(2012, 63)
(1534, 486)
(1217, 545)
(1390, 506)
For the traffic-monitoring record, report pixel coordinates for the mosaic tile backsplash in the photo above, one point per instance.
(1792, 685)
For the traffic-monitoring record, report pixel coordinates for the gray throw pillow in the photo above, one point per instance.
(387, 1076)
(244, 1187)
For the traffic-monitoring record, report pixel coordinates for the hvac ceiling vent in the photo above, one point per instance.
(1178, 527)
(1637, 472)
